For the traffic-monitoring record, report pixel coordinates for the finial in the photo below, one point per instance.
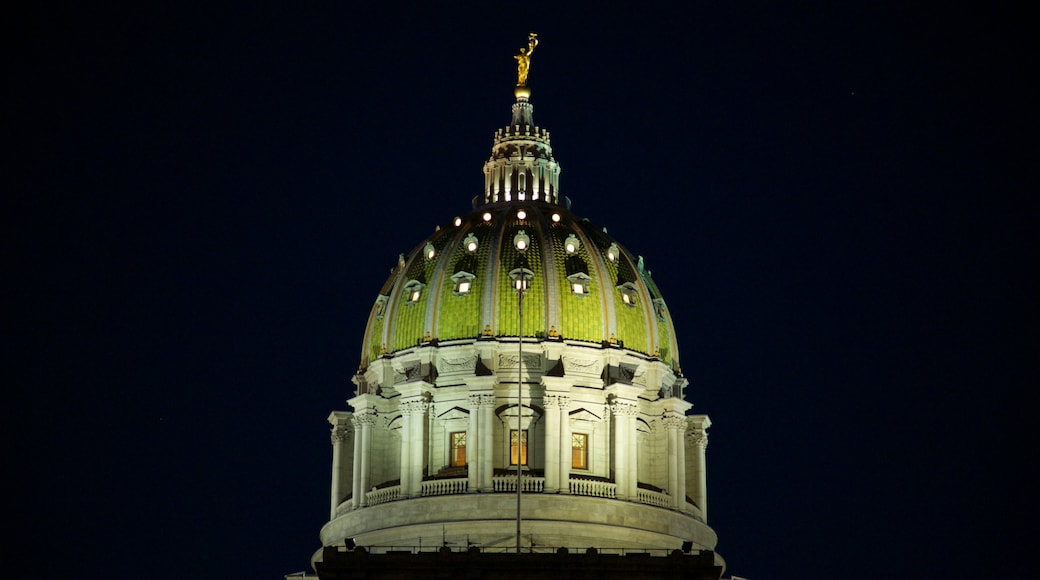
(524, 60)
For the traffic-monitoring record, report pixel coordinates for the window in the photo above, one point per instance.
(579, 283)
(517, 448)
(413, 291)
(579, 451)
(463, 282)
(458, 449)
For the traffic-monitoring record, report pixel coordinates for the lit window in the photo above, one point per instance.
(458, 449)
(517, 447)
(487, 216)
(463, 282)
(579, 283)
(628, 293)
(579, 451)
(613, 253)
(458, 222)
(413, 291)
(556, 218)
(429, 251)
(521, 215)
(521, 278)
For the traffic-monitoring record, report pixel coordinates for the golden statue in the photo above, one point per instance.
(524, 60)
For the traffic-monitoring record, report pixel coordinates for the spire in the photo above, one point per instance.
(522, 166)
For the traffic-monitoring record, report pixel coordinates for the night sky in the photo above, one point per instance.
(837, 202)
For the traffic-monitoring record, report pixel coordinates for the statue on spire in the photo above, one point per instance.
(524, 60)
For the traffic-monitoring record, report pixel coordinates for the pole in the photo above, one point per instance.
(519, 402)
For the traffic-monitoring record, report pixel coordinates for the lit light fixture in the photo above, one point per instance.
(428, 251)
(521, 215)
(487, 216)
(521, 241)
(458, 221)
(470, 243)
(556, 218)
(571, 244)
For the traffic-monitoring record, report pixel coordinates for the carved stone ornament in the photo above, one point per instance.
(531, 361)
(458, 364)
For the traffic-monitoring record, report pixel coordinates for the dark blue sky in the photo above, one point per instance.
(203, 202)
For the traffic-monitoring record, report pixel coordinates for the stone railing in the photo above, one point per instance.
(378, 496)
(445, 486)
(529, 484)
(593, 488)
(508, 483)
(655, 498)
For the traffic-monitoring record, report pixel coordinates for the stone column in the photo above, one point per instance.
(342, 458)
(676, 425)
(363, 422)
(625, 464)
(624, 407)
(565, 444)
(552, 443)
(413, 445)
(697, 438)
(487, 442)
(474, 445)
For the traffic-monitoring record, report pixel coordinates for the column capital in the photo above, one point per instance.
(672, 421)
(416, 406)
(342, 434)
(698, 437)
(556, 401)
(367, 417)
(621, 408)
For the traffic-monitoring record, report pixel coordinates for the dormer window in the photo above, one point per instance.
(463, 282)
(381, 306)
(429, 252)
(613, 252)
(521, 278)
(413, 291)
(579, 283)
(628, 293)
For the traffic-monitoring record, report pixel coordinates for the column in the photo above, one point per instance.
(363, 422)
(625, 464)
(565, 444)
(474, 445)
(676, 425)
(413, 445)
(342, 458)
(697, 437)
(487, 442)
(552, 442)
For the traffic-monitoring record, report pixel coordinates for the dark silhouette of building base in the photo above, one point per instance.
(358, 564)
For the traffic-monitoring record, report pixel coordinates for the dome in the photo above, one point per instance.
(459, 283)
(519, 352)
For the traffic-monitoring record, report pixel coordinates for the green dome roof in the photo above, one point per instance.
(457, 285)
